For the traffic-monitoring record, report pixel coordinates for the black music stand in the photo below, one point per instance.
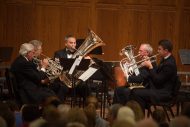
(104, 74)
(67, 64)
(185, 56)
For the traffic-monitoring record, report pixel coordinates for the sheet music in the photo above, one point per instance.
(88, 73)
(76, 63)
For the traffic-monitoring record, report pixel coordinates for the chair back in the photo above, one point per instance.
(12, 86)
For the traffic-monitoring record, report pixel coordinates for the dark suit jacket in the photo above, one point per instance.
(29, 79)
(165, 76)
(61, 53)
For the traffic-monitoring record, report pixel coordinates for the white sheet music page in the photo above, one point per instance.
(88, 73)
(76, 63)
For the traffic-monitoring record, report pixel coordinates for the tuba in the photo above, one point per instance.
(128, 64)
(91, 42)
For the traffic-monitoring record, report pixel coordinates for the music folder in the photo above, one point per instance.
(68, 63)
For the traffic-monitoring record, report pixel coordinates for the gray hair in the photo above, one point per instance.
(25, 48)
(36, 43)
(148, 48)
(126, 113)
(69, 36)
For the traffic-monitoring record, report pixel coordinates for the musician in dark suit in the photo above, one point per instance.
(70, 48)
(163, 78)
(122, 94)
(31, 83)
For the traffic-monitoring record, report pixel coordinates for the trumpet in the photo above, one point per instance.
(139, 65)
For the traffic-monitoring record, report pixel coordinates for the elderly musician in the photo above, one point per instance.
(31, 83)
(122, 93)
(44, 62)
(163, 78)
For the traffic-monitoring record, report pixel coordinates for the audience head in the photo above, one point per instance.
(180, 121)
(75, 124)
(135, 106)
(90, 112)
(159, 116)
(37, 46)
(7, 115)
(51, 100)
(30, 112)
(50, 113)
(126, 113)
(92, 100)
(77, 115)
(112, 112)
(63, 109)
(27, 50)
(123, 123)
(147, 123)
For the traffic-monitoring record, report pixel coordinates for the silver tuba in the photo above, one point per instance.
(91, 42)
(128, 64)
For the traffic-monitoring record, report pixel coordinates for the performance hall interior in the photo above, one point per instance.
(110, 32)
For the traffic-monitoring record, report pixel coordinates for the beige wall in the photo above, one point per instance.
(117, 22)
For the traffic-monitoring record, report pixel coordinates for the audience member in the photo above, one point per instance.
(31, 83)
(180, 121)
(159, 116)
(100, 122)
(7, 115)
(147, 123)
(112, 113)
(135, 106)
(127, 114)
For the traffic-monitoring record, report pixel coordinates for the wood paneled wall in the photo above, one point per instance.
(117, 22)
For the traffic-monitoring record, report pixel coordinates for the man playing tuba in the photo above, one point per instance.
(121, 94)
(67, 52)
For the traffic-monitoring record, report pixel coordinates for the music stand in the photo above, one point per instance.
(185, 56)
(67, 64)
(6, 54)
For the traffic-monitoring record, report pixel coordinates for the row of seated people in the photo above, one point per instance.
(160, 82)
(32, 80)
(55, 114)
(31, 77)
